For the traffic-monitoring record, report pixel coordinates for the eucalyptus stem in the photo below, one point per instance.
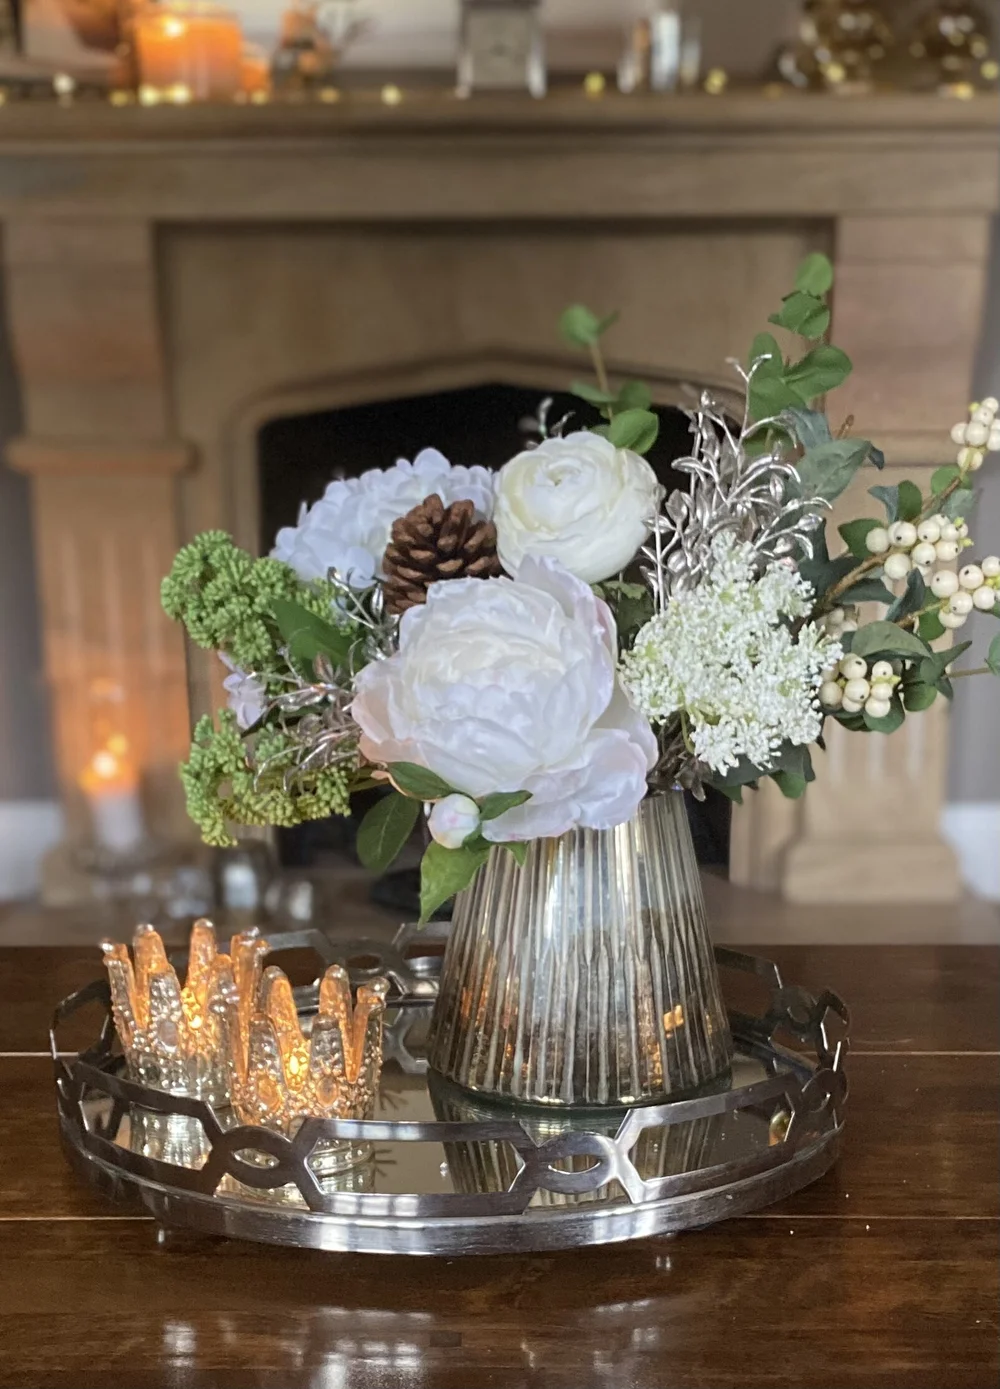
(600, 371)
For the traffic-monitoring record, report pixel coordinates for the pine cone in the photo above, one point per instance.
(433, 542)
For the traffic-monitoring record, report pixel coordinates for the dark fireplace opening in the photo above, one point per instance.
(299, 455)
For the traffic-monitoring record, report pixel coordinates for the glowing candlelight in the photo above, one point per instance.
(188, 50)
(111, 785)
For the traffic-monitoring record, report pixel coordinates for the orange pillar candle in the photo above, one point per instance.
(188, 50)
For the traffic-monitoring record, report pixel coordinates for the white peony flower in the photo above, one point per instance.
(577, 499)
(247, 697)
(509, 685)
(452, 820)
(349, 527)
(724, 656)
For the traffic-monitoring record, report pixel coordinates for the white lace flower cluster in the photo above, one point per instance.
(723, 657)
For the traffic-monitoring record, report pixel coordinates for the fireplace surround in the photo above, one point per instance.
(177, 279)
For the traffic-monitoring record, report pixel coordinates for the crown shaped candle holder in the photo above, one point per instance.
(232, 1034)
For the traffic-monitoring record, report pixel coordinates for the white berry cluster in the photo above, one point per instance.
(907, 545)
(725, 657)
(974, 586)
(851, 686)
(978, 435)
(840, 620)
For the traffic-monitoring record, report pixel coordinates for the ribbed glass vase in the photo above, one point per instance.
(585, 977)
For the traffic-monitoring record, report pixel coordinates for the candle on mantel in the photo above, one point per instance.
(111, 786)
(188, 50)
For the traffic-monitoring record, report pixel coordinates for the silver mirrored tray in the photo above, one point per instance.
(442, 1171)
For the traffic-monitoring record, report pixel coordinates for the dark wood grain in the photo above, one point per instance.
(883, 1275)
(902, 998)
(908, 1304)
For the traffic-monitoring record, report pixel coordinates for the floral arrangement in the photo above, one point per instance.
(513, 655)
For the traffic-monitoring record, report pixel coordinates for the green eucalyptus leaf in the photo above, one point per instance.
(731, 793)
(889, 497)
(634, 395)
(803, 314)
(766, 354)
(934, 665)
(918, 696)
(634, 429)
(822, 572)
(910, 502)
(582, 327)
(790, 784)
(419, 782)
(500, 801)
(993, 656)
(385, 829)
(911, 600)
(593, 395)
(868, 589)
(876, 458)
(518, 848)
(815, 274)
(825, 470)
(930, 626)
(944, 477)
(855, 533)
(809, 427)
(961, 502)
(307, 636)
(819, 371)
(443, 872)
(885, 638)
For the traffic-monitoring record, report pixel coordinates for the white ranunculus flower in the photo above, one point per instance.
(509, 685)
(348, 528)
(577, 499)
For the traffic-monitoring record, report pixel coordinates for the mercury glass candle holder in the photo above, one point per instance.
(285, 1076)
(183, 1039)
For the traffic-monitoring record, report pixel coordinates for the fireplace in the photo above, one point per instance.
(182, 282)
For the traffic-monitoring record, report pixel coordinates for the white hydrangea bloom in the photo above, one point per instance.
(723, 655)
(348, 528)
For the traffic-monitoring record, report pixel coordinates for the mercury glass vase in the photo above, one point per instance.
(585, 977)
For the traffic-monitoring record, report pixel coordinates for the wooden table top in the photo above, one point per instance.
(884, 1273)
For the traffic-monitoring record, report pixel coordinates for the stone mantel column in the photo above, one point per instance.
(81, 303)
(168, 271)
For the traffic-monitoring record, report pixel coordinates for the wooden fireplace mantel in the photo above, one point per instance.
(174, 276)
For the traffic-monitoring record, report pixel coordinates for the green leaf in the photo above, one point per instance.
(790, 784)
(493, 805)
(936, 663)
(962, 502)
(634, 429)
(731, 793)
(891, 721)
(910, 502)
(930, 626)
(385, 829)
(815, 274)
(993, 656)
(308, 636)
(885, 638)
(592, 394)
(810, 427)
(819, 371)
(855, 533)
(582, 327)
(822, 572)
(418, 781)
(803, 314)
(825, 470)
(765, 352)
(443, 872)
(518, 848)
(794, 758)
(889, 497)
(868, 590)
(911, 600)
(943, 477)
(918, 696)
(634, 395)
